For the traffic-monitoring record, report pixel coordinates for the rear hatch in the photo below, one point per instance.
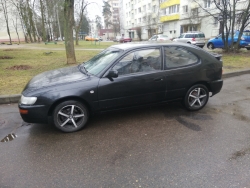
(200, 37)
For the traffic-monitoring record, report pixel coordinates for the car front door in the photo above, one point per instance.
(140, 81)
(218, 42)
(181, 68)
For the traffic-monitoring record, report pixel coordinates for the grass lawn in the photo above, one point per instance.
(18, 66)
(16, 72)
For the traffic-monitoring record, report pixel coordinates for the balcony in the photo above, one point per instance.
(170, 17)
(169, 3)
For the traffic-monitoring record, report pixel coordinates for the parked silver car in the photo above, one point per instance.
(193, 37)
(159, 38)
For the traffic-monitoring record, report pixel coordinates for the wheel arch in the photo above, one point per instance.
(200, 82)
(75, 98)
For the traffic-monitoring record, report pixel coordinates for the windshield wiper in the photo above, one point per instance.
(83, 69)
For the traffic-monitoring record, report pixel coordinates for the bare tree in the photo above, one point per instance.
(4, 6)
(68, 31)
(228, 13)
(138, 32)
(98, 21)
(79, 21)
(16, 28)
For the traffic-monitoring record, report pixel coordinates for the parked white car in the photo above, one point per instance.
(159, 38)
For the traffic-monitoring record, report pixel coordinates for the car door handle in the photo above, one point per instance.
(158, 79)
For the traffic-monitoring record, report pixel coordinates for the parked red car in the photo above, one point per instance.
(123, 40)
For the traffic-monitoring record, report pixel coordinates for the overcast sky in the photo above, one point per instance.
(95, 9)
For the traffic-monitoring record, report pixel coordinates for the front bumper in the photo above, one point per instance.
(34, 113)
(215, 86)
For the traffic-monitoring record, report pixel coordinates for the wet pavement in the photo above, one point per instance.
(164, 146)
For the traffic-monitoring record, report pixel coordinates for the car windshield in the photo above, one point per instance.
(99, 62)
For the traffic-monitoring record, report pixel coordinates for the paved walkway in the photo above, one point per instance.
(30, 46)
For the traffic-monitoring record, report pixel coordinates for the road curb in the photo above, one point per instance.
(7, 99)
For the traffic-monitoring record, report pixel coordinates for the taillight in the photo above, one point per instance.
(161, 40)
(193, 39)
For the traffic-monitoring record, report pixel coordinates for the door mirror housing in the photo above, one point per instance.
(112, 74)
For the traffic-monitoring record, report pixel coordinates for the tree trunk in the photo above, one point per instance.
(43, 26)
(68, 31)
(15, 26)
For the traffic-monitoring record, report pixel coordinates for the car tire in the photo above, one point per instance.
(210, 46)
(70, 116)
(196, 97)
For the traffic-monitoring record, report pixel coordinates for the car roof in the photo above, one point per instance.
(134, 45)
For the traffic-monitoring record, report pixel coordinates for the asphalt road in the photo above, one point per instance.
(162, 146)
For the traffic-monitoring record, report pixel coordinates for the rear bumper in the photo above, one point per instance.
(215, 86)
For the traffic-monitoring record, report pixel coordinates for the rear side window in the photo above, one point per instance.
(190, 36)
(178, 57)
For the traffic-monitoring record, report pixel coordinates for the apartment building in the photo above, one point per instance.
(171, 17)
(143, 14)
(114, 10)
(180, 16)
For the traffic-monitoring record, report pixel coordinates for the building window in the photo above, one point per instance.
(149, 6)
(139, 20)
(139, 9)
(135, 11)
(195, 12)
(154, 8)
(185, 9)
(144, 19)
(144, 8)
(207, 3)
(173, 9)
(215, 21)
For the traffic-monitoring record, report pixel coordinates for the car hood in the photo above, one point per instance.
(55, 77)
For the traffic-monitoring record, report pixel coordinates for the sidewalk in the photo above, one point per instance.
(7, 99)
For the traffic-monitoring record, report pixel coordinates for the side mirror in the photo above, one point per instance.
(112, 74)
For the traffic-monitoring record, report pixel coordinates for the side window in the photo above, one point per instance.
(178, 57)
(181, 36)
(139, 61)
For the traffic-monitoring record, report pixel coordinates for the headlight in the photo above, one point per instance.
(28, 100)
(242, 38)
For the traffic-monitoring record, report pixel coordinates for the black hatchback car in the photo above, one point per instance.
(120, 77)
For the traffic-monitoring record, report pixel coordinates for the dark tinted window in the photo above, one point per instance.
(201, 35)
(139, 61)
(178, 57)
(190, 36)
